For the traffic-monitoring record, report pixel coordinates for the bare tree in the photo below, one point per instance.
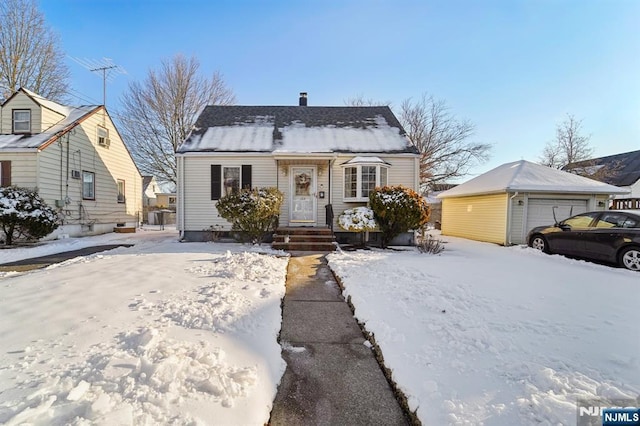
(160, 112)
(442, 139)
(30, 55)
(360, 100)
(569, 146)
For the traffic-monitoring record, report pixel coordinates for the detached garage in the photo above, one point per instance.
(502, 205)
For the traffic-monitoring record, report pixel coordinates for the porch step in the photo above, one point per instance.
(304, 239)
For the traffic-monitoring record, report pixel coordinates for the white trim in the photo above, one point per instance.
(313, 195)
(358, 167)
(242, 154)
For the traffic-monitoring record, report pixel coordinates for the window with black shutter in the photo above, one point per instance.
(226, 180)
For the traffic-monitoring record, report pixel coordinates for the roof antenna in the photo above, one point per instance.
(108, 69)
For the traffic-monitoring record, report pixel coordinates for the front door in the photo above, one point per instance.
(303, 195)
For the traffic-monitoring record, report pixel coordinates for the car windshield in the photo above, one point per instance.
(580, 221)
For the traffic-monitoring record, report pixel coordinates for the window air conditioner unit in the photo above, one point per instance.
(75, 174)
(104, 142)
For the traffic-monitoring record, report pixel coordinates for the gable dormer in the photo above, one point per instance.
(28, 113)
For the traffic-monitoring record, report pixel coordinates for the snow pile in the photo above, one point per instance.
(358, 219)
(483, 334)
(163, 333)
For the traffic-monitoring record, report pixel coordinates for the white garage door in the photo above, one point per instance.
(540, 211)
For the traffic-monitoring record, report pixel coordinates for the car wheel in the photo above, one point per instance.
(539, 243)
(630, 258)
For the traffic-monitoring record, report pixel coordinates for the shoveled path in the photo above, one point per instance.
(44, 261)
(332, 378)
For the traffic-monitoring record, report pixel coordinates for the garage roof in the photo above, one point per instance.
(524, 176)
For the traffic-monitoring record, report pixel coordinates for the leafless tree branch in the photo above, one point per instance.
(569, 146)
(30, 54)
(442, 140)
(159, 112)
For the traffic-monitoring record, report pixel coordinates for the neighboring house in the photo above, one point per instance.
(158, 196)
(323, 159)
(503, 204)
(166, 196)
(621, 170)
(76, 160)
(149, 190)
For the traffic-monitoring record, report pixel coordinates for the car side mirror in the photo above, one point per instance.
(564, 227)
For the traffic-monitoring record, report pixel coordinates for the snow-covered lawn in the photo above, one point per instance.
(483, 334)
(185, 333)
(160, 333)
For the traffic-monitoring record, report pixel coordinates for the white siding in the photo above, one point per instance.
(403, 171)
(537, 210)
(49, 118)
(79, 150)
(199, 209)
(23, 168)
(195, 189)
(21, 101)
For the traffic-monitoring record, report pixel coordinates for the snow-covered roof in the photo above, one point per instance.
(26, 141)
(297, 129)
(366, 160)
(60, 109)
(524, 176)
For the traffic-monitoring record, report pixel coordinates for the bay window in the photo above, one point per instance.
(362, 175)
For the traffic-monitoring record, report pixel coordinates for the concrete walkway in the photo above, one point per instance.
(332, 378)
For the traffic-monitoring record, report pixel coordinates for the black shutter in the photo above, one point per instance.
(246, 176)
(216, 181)
(5, 178)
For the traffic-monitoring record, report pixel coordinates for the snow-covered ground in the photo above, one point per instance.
(185, 333)
(483, 334)
(159, 333)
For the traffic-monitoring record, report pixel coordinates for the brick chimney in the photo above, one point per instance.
(303, 99)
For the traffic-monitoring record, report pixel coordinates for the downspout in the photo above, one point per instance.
(181, 197)
(509, 212)
(61, 176)
(67, 177)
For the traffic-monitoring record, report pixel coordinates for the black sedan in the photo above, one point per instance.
(611, 236)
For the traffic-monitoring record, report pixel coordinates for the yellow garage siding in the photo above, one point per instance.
(481, 218)
(199, 209)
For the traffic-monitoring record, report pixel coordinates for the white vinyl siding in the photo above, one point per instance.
(21, 102)
(195, 188)
(402, 170)
(108, 165)
(48, 119)
(23, 168)
(200, 212)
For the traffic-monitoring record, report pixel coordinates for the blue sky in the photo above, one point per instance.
(514, 68)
